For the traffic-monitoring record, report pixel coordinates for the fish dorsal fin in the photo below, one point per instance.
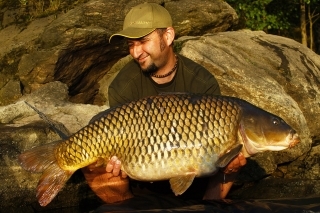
(227, 157)
(174, 93)
(180, 184)
(59, 128)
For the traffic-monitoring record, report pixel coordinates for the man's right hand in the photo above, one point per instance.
(109, 183)
(114, 167)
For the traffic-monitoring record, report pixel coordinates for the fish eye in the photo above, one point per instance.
(276, 121)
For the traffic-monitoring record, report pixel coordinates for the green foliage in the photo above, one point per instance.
(281, 17)
(261, 14)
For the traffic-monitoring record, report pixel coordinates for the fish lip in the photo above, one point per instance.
(293, 139)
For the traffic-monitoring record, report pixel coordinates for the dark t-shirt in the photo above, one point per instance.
(131, 84)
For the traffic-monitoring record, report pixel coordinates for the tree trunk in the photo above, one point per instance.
(303, 24)
(311, 46)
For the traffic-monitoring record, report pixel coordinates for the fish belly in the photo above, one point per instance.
(182, 162)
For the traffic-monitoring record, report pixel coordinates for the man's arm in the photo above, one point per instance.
(114, 98)
(221, 183)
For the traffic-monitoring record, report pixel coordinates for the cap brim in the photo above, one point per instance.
(132, 33)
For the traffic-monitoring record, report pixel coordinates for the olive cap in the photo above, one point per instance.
(144, 19)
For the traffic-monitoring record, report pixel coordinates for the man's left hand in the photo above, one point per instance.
(235, 164)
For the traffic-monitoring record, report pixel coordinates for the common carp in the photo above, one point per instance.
(174, 137)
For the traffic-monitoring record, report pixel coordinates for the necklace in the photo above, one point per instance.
(168, 73)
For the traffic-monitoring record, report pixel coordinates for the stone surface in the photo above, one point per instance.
(21, 128)
(273, 72)
(73, 47)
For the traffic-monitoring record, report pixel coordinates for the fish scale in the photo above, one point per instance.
(174, 137)
(193, 124)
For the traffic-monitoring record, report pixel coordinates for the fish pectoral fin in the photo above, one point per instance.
(227, 157)
(181, 183)
(100, 162)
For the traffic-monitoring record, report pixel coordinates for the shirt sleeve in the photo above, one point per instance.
(121, 89)
(197, 78)
(114, 98)
(213, 86)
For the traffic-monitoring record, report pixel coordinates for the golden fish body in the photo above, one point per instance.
(153, 135)
(172, 137)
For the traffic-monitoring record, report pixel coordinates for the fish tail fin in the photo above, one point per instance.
(51, 182)
(42, 159)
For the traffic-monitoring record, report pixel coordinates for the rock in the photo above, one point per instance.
(200, 17)
(10, 91)
(50, 99)
(73, 47)
(307, 167)
(23, 130)
(275, 73)
(277, 188)
(281, 76)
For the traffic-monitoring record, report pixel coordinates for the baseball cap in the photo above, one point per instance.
(144, 19)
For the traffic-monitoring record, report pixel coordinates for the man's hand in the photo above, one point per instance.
(108, 182)
(114, 167)
(220, 184)
(235, 164)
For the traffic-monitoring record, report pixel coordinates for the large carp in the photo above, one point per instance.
(174, 137)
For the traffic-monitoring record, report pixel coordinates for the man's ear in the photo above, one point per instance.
(169, 35)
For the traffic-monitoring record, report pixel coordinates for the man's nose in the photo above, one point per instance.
(136, 50)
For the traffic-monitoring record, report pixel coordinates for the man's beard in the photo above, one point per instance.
(151, 69)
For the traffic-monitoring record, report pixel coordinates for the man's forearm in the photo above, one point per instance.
(219, 185)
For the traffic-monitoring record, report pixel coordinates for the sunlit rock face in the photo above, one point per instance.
(63, 65)
(73, 47)
(281, 76)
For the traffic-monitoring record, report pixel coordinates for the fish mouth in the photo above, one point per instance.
(290, 141)
(293, 139)
(254, 147)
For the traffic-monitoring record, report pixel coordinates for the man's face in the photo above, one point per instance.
(150, 51)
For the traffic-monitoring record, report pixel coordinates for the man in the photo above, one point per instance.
(155, 68)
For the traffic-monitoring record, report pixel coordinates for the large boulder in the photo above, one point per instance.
(73, 47)
(281, 76)
(22, 128)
